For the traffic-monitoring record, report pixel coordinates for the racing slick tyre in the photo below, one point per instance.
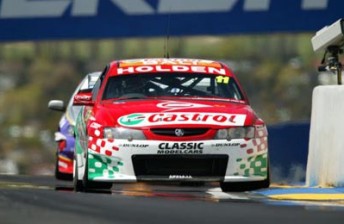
(246, 186)
(59, 175)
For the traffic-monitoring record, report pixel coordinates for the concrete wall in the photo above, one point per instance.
(325, 165)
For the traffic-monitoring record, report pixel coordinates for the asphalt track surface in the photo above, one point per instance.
(42, 199)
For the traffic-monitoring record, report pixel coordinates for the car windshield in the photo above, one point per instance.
(136, 86)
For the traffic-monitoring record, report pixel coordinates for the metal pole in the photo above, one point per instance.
(333, 62)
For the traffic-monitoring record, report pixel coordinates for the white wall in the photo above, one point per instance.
(325, 166)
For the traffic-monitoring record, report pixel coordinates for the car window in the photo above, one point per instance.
(96, 89)
(97, 85)
(172, 84)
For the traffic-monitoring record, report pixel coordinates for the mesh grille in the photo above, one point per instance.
(172, 131)
(197, 166)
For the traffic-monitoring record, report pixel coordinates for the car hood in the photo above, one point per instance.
(176, 113)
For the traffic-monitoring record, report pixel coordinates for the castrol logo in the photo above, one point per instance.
(155, 119)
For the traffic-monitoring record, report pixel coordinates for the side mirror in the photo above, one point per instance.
(57, 105)
(83, 99)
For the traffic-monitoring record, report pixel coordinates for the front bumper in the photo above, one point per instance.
(210, 160)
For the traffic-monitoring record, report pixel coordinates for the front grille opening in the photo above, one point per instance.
(172, 131)
(194, 165)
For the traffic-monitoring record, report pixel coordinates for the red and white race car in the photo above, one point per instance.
(161, 119)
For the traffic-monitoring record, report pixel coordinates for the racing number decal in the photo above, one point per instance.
(222, 79)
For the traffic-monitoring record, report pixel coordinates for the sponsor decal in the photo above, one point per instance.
(181, 148)
(170, 61)
(171, 68)
(175, 105)
(82, 97)
(131, 120)
(134, 145)
(222, 79)
(225, 144)
(154, 119)
(180, 177)
(183, 145)
(91, 8)
(186, 151)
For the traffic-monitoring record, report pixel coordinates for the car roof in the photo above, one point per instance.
(168, 65)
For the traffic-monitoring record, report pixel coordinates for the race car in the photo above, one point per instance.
(65, 134)
(169, 119)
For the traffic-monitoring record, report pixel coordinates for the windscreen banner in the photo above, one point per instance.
(22, 20)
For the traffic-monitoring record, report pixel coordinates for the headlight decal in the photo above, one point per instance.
(261, 131)
(123, 133)
(236, 133)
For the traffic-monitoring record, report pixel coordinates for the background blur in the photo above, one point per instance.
(47, 47)
(278, 72)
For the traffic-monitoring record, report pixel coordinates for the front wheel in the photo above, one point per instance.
(78, 185)
(247, 186)
(244, 186)
(94, 185)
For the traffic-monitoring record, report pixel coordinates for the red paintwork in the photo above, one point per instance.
(61, 145)
(67, 168)
(108, 112)
(82, 98)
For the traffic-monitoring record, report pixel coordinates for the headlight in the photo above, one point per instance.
(123, 133)
(235, 133)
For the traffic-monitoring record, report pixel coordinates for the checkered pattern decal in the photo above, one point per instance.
(253, 166)
(256, 165)
(101, 166)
